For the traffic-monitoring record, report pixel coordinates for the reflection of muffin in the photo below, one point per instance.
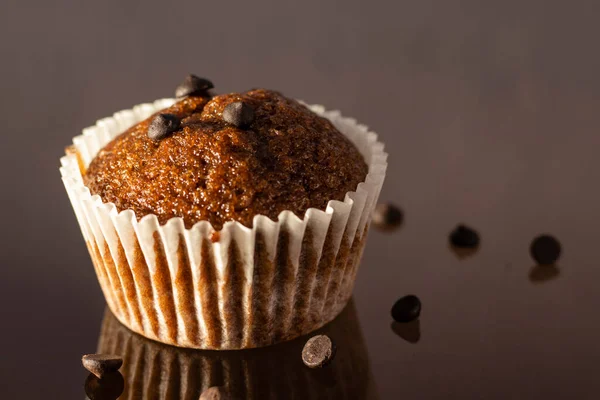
(181, 228)
(156, 370)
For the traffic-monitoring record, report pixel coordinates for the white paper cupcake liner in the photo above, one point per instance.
(253, 287)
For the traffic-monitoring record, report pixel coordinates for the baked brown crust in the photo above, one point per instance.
(289, 158)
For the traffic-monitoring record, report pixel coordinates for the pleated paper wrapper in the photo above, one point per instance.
(253, 287)
(155, 370)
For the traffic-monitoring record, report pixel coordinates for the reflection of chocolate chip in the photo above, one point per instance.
(110, 387)
(463, 252)
(214, 393)
(193, 85)
(100, 364)
(543, 273)
(162, 125)
(238, 114)
(409, 331)
(387, 216)
(463, 236)
(318, 351)
(545, 249)
(406, 309)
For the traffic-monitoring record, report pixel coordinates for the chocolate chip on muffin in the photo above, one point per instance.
(193, 85)
(238, 114)
(162, 125)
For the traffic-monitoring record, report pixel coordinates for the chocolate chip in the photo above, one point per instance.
(100, 364)
(193, 85)
(387, 216)
(463, 236)
(109, 387)
(318, 351)
(545, 249)
(406, 309)
(162, 125)
(215, 393)
(238, 114)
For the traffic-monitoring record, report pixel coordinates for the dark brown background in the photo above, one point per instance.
(490, 113)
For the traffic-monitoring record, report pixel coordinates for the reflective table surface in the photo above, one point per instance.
(493, 325)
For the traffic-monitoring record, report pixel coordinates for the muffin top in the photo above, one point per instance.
(228, 157)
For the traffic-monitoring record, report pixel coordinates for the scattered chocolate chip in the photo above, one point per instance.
(162, 125)
(545, 249)
(406, 309)
(318, 351)
(193, 85)
(109, 387)
(387, 216)
(463, 236)
(238, 114)
(100, 364)
(215, 393)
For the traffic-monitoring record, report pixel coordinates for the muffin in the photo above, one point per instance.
(225, 222)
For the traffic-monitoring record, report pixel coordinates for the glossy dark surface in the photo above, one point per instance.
(489, 110)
